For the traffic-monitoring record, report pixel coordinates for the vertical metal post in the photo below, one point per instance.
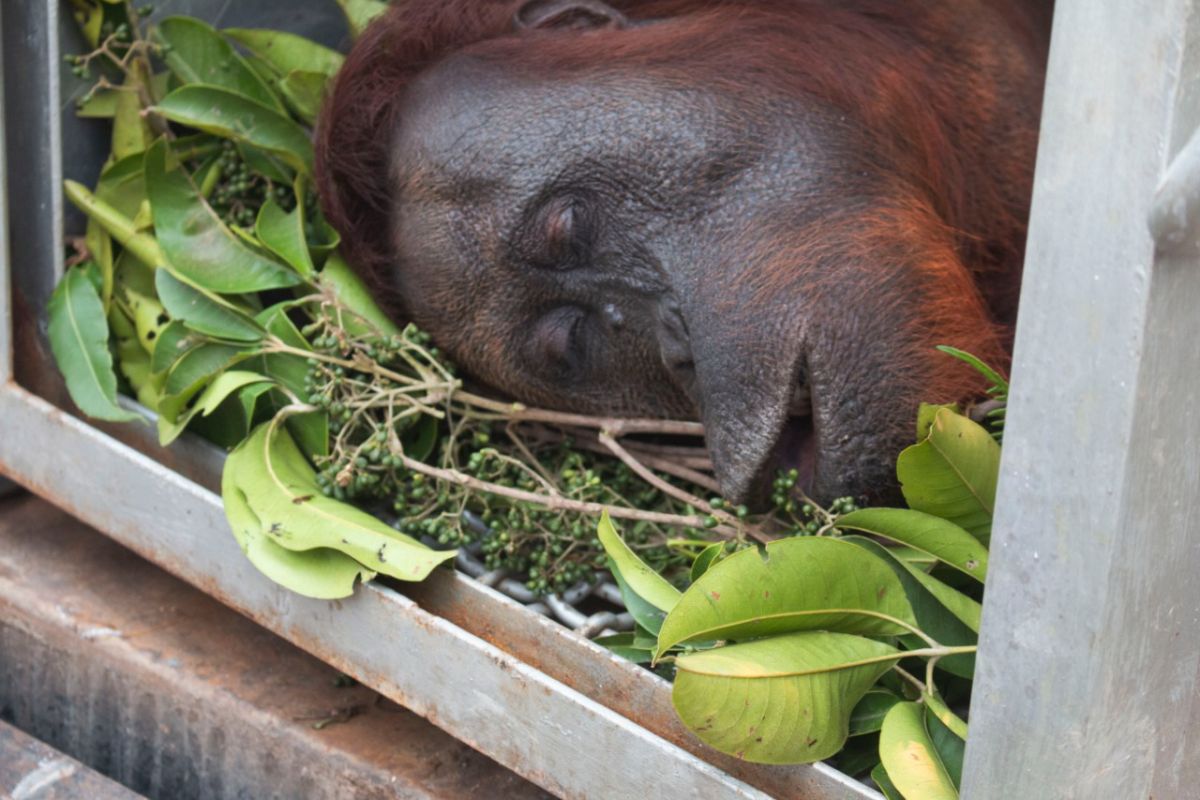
(1088, 683)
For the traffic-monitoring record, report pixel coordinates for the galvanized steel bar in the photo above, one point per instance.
(1087, 683)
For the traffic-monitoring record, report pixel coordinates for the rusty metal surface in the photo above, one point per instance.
(159, 686)
(32, 770)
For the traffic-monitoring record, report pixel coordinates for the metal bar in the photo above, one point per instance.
(30, 769)
(6, 320)
(158, 686)
(536, 726)
(1087, 685)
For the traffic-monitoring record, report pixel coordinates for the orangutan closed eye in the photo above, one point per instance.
(763, 214)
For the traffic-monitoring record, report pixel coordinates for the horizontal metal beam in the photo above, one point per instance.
(32, 770)
(536, 726)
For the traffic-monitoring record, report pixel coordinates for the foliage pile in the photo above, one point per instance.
(209, 286)
(857, 643)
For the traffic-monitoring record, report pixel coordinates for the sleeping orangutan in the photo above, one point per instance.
(763, 214)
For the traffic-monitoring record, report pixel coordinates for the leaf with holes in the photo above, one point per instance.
(782, 700)
(806, 583)
(281, 489)
(322, 573)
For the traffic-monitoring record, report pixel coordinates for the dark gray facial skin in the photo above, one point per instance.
(639, 242)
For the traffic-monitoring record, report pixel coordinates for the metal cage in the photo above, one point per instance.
(1087, 677)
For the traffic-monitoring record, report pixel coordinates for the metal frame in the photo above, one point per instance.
(543, 701)
(1087, 683)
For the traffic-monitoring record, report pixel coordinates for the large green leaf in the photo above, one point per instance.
(806, 583)
(286, 51)
(909, 756)
(197, 54)
(933, 535)
(944, 613)
(782, 700)
(283, 234)
(281, 489)
(197, 244)
(364, 314)
(205, 312)
(360, 13)
(953, 473)
(79, 339)
(637, 574)
(322, 573)
(224, 113)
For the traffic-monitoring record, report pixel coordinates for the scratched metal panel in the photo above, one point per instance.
(546, 712)
(1087, 682)
(31, 770)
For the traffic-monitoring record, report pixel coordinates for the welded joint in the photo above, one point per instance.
(1175, 214)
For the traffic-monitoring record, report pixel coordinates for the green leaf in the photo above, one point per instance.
(132, 359)
(365, 316)
(707, 557)
(213, 395)
(281, 489)
(999, 382)
(130, 132)
(945, 614)
(644, 581)
(286, 52)
(79, 339)
(283, 234)
(304, 92)
(886, 787)
(926, 414)
(224, 113)
(322, 573)
(782, 700)
(950, 749)
(204, 312)
(625, 646)
(173, 340)
(199, 246)
(953, 473)
(944, 540)
(644, 613)
(909, 756)
(192, 371)
(805, 583)
(197, 54)
(359, 13)
(311, 430)
(868, 715)
(118, 225)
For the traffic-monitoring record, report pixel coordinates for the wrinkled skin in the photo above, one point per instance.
(644, 213)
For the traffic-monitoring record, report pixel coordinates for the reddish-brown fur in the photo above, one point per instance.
(938, 103)
(876, 71)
